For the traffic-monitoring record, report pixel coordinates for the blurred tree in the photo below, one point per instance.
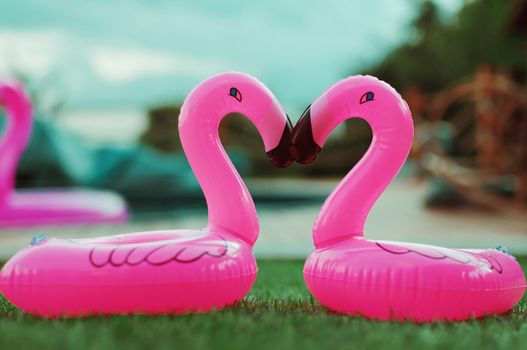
(428, 20)
(442, 53)
(162, 132)
(469, 73)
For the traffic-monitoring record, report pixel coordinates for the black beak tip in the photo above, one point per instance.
(281, 163)
(303, 157)
(280, 156)
(304, 149)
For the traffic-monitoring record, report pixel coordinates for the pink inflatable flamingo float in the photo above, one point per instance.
(173, 271)
(389, 280)
(42, 207)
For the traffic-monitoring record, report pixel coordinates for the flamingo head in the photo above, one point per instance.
(251, 98)
(364, 97)
(234, 92)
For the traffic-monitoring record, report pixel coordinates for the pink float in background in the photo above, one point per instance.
(24, 208)
(172, 271)
(389, 280)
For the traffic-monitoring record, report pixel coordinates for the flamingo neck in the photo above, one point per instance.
(345, 211)
(230, 206)
(15, 136)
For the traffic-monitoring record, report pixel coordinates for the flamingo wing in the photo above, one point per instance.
(158, 252)
(433, 252)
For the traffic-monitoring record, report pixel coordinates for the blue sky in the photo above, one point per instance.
(136, 53)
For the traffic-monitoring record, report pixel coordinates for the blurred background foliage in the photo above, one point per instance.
(464, 76)
(440, 53)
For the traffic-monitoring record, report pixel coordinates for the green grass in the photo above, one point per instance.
(278, 314)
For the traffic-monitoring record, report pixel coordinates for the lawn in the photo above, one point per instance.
(278, 314)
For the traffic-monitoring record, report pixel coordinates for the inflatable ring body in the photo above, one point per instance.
(393, 280)
(151, 273)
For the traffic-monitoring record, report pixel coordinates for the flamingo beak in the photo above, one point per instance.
(281, 155)
(304, 149)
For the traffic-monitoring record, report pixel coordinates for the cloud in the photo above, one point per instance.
(32, 52)
(121, 65)
(294, 48)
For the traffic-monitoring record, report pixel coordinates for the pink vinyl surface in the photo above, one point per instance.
(405, 281)
(172, 271)
(389, 280)
(30, 208)
(149, 272)
(27, 208)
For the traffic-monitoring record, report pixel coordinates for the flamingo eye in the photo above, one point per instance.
(367, 97)
(235, 93)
